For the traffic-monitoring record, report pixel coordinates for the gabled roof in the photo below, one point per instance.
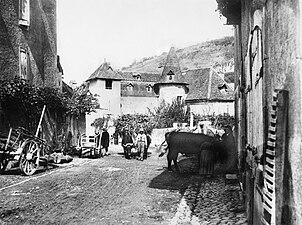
(148, 77)
(207, 85)
(171, 69)
(104, 72)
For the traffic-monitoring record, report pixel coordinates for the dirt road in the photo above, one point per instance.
(114, 190)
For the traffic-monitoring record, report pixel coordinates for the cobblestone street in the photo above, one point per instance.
(113, 190)
(211, 202)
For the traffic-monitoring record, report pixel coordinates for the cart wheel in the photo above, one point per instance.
(3, 163)
(30, 156)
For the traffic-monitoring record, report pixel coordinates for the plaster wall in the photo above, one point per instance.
(210, 108)
(280, 22)
(132, 105)
(283, 49)
(168, 92)
(109, 100)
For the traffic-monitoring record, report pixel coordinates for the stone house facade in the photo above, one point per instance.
(268, 106)
(28, 48)
(28, 41)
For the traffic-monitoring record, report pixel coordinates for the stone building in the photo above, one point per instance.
(28, 41)
(28, 50)
(268, 106)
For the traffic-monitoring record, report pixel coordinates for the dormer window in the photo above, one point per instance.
(223, 88)
(137, 76)
(130, 87)
(170, 75)
(149, 88)
(24, 12)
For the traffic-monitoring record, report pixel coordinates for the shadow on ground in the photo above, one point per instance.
(172, 180)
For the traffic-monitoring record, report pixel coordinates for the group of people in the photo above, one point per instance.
(142, 142)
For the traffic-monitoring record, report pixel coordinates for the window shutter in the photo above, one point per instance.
(23, 63)
(24, 12)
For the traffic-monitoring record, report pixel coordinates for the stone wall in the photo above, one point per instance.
(39, 39)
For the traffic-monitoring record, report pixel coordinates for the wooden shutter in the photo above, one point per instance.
(24, 12)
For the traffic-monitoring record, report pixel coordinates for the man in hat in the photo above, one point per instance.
(141, 143)
(105, 140)
(228, 137)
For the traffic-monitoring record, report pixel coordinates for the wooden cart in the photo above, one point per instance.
(23, 149)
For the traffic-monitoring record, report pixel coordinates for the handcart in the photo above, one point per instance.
(130, 151)
(89, 147)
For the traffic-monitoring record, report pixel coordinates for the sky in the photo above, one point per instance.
(122, 31)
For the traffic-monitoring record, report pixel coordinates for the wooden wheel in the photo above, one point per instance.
(30, 157)
(3, 163)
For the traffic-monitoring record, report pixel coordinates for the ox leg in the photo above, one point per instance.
(176, 164)
(169, 163)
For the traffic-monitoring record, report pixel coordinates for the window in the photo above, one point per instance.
(179, 98)
(170, 74)
(130, 87)
(24, 12)
(149, 88)
(108, 84)
(223, 88)
(23, 63)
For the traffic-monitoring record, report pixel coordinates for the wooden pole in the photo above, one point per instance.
(40, 122)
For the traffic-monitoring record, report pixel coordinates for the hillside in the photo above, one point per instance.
(217, 53)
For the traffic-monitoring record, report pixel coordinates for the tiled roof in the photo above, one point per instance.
(139, 89)
(206, 85)
(148, 77)
(171, 73)
(105, 72)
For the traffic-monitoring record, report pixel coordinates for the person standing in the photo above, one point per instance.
(228, 138)
(228, 141)
(127, 139)
(105, 140)
(148, 144)
(141, 143)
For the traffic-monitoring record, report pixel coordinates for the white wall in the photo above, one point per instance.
(208, 108)
(132, 105)
(170, 92)
(109, 100)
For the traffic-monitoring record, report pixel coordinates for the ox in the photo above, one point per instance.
(190, 143)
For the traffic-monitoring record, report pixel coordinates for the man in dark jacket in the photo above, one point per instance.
(148, 144)
(105, 140)
(127, 139)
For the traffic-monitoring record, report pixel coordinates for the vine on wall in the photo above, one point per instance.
(26, 101)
